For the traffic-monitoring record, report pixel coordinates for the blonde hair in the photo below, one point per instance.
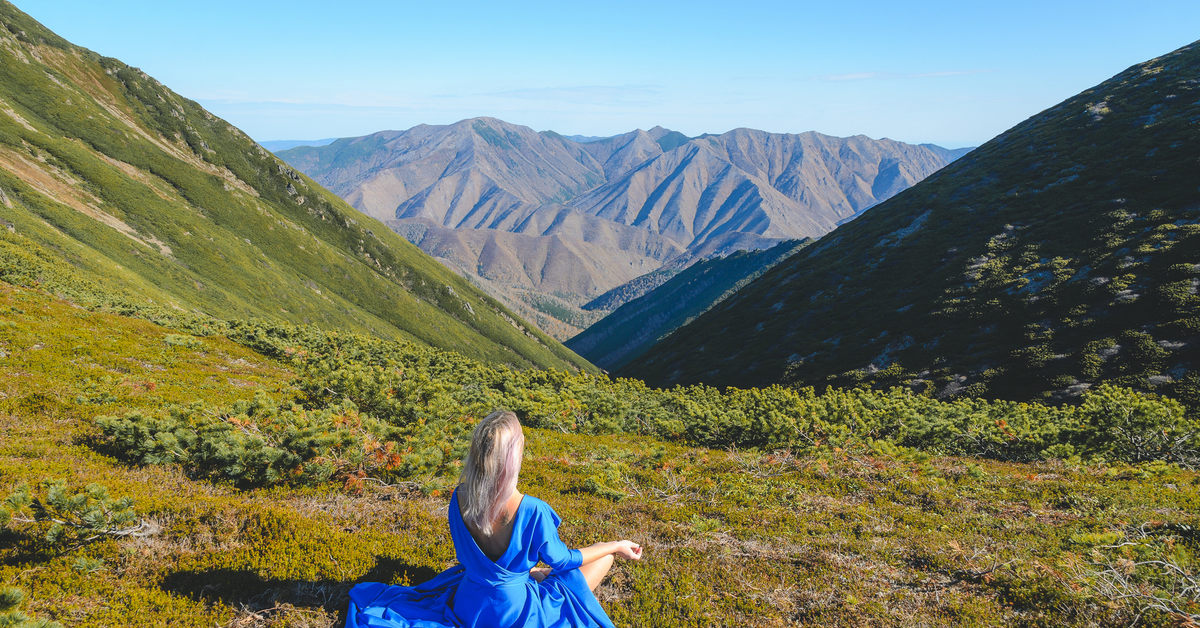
(490, 471)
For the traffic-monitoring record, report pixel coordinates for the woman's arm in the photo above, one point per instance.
(623, 549)
(552, 551)
(592, 553)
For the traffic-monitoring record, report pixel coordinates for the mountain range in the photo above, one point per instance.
(547, 223)
(111, 183)
(1061, 254)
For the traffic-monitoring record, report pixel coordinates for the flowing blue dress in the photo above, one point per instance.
(480, 592)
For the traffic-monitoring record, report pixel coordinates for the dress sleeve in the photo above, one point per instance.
(551, 549)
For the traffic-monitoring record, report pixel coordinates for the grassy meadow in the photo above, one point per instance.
(853, 534)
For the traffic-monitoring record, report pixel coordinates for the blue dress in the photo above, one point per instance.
(480, 592)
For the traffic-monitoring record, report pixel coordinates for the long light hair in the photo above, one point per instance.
(490, 471)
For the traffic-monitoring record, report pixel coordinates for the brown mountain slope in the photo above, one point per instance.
(564, 262)
(621, 153)
(477, 173)
(761, 183)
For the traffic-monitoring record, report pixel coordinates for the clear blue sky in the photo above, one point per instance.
(954, 73)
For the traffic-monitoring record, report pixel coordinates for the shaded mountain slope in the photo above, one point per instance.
(630, 290)
(628, 332)
(146, 193)
(1063, 253)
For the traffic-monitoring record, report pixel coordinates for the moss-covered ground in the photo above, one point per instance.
(732, 537)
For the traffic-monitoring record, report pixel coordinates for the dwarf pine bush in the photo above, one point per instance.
(364, 406)
(259, 443)
(1126, 425)
(389, 410)
(66, 519)
(11, 599)
(255, 443)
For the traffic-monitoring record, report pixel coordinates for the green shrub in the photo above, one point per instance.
(412, 408)
(66, 520)
(1130, 426)
(253, 444)
(11, 599)
(257, 443)
(181, 340)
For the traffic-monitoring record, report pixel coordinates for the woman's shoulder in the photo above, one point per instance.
(534, 503)
(538, 507)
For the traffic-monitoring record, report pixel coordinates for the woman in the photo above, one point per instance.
(499, 537)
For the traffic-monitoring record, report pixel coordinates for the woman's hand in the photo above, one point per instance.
(623, 549)
(539, 573)
(627, 550)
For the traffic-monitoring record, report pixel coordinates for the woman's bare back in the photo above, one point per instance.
(494, 546)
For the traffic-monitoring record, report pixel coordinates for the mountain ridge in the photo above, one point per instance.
(700, 196)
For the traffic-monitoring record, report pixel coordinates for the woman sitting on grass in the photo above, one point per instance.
(499, 537)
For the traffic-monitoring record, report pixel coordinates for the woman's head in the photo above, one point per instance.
(490, 472)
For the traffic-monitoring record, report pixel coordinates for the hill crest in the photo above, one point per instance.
(113, 178)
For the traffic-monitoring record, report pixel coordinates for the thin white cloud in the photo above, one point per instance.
(297, 102)
(945, 73)
(867, 76)
(573, 95)
(613, 95)
(854, 76)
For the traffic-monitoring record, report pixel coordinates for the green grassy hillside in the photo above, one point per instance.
(146, 193)
(1063, 254)
(834, 533)
(627, 332)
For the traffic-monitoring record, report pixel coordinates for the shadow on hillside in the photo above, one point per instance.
(24, 548)
(245, 589)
